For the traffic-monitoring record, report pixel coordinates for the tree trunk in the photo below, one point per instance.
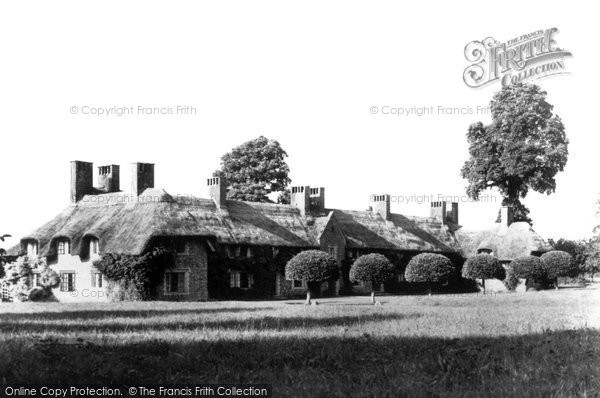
(429, 289)
(556, 283)
(373, 297)
(308, 297)
(483, 285)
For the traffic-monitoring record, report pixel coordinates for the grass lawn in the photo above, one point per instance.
(522, 344)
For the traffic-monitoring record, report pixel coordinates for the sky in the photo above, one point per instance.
(304, 73)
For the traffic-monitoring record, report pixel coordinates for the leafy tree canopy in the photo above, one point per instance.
(255, 169)
(374, 268)
(483, 266)
(523, 148)
(528, 267)
(429, 268)
(558, 263)
(312, 266)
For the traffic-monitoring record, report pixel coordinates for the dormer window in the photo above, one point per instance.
(94, 246)
(63, 247)
(32, 249)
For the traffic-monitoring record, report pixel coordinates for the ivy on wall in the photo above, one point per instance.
(139, 274)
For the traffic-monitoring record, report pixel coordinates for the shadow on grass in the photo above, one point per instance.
(111, 314)
(561, 363)
(112, 324)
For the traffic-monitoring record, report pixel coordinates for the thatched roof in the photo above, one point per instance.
(365, 229)
(507, 243)
(126, 224)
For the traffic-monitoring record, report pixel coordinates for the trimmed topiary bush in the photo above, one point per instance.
(558, 263)
(372, 268)
(483, 266)
(512, 280)
(314, 266)
(528, 267)
(429, 268)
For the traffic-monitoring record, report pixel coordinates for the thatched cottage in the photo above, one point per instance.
(506, 239)
(223, 248)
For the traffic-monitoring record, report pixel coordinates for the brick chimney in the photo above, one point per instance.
(109, 178)
(506, 215)
(381, 204)
(439, 212)
(82, 179)
(217, 189)
(142, 177)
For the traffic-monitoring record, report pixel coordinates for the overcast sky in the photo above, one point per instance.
(303, 73)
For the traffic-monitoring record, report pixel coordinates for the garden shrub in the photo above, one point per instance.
(139, 273)
(372, 268)
(557, 263)
(429, 268)
(314, 266)
(483, 266)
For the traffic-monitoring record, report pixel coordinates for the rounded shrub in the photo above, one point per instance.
(429, 268)
(558, 263)
(373, 268)
(528, 267)
(49, 278)
(314, 266)
(483, 266)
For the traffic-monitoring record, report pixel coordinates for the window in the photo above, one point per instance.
(94, 246)
(5, 292)
(35, 279)
(96, 279)
(331, 250)
(63, 247)
(67, 281)
(32, 249)
(297, 284)
(242, 280)
(175, 282)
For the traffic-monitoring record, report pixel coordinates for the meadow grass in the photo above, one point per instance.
(522, 344)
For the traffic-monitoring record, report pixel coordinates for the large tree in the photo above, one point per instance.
(523, 148)
(255, 169)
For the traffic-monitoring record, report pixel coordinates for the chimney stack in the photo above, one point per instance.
(142, 177)
(381, 204)
(217, 189)
(109, 178)
(82, 179)
(317, 200)
(439, 212)
(506, 215)
(300, 199)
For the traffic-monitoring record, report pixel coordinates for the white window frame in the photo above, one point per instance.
(332, 251)
(235, 279)
(66, 247)
(94, 246)
(97, 280)
(60, 274)
(32, 248)
(186, 281)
